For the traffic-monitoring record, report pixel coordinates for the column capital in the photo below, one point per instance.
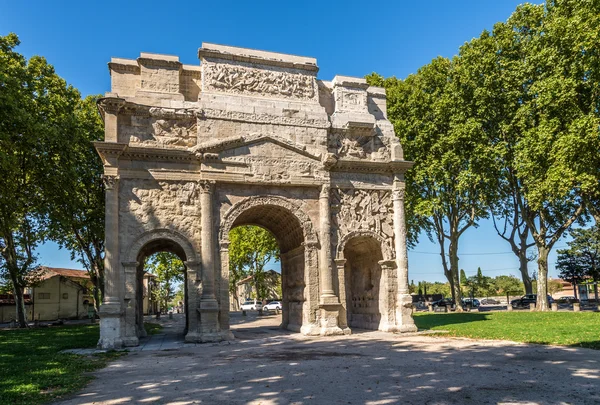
(388, 264)
(207, 186)
(398, 191)
(340, 262)
(110, 181)
(325, 188)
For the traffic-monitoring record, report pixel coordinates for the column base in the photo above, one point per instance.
(404, 320)
(111, 326)
(329, 320)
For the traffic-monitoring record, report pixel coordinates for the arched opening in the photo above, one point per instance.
(289, 234)
(363, 279)
(148, 303)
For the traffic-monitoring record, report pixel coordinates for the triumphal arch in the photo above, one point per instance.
(253, 137)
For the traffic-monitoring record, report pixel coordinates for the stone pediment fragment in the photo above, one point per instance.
(271, 146)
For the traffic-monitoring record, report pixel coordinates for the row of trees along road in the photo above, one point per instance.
(581, 261)
(50, 175)
(508, 129)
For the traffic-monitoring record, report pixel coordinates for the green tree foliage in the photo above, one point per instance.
(77, 212)
(554, 286)
(250, 249)
(450, 186)
(512, 122)
(37, 124)
(170, 272)
(508, 285)
(582, 258)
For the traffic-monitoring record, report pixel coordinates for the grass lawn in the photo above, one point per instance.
(557, 328)
(31, 369)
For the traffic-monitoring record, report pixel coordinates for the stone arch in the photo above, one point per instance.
(146, 244)
(386, 250)
(157, 235)
(298, 243)
(237, 209)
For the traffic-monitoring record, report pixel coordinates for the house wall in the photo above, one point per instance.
(8, 312)
(65, 300)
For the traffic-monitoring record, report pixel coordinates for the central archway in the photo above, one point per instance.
(298, 245)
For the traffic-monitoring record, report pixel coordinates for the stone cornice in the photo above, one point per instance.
(365, 166)
(222, 52)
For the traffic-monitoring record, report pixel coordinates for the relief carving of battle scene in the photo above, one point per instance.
(243, 79)
(356, 210)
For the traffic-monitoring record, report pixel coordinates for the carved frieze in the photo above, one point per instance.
(358, 147)
(169, 127)
(356, 210)
(241, 79)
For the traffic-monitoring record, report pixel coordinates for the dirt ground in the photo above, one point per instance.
(267, 366)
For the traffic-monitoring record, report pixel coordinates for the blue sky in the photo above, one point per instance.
(348, 38)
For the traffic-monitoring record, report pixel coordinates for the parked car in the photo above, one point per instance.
(444, 302)
(473, 303)
(489, 301)
(273, 306)
(569, 299)
(251, 306)
(527, 299)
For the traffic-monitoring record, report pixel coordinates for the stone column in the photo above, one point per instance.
(343, 319)
(111, 311)
(329, 302)
(224, 290)
(387, 295)
(326, 277)
(404, 320)
(209, 307)
(130, 305)
(193, 281)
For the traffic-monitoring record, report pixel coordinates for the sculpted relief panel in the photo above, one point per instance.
(359, 147)
(147, 204)
(242, 79)
(355, 210)
(169, 127)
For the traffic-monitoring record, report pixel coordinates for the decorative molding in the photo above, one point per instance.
(264, 118)
(386, 249)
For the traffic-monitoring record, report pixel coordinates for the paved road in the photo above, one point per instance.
(265, 366)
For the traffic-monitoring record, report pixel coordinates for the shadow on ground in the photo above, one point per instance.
(369, 368)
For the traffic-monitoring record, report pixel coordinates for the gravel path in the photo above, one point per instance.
(268, 366)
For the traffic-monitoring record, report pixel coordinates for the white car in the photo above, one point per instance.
(251, 306)
(273, 306)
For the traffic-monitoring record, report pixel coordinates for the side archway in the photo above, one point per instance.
(386, 250)
(136, 290)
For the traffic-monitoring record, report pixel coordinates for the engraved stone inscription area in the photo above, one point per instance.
(249, 137)
(241, 79)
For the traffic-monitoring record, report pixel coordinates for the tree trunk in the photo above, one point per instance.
(542, 279)
(455, 283)
(574, 288)
(20, 307)
(525, 272)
